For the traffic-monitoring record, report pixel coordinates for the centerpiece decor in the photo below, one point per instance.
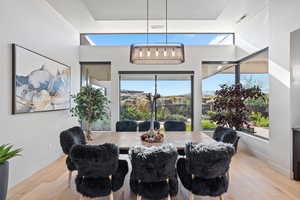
(152, 136)
(6, 153)
(91, 106)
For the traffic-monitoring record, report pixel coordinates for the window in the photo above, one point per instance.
(213, 75)
(175, 102)
(98, 76)
(254, 71)
(185, 38)
(251, 71)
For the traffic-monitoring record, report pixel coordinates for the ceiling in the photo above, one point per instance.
(137, 9)
(128, 16)
(257, 64)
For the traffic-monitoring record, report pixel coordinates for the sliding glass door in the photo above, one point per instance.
(175, 89)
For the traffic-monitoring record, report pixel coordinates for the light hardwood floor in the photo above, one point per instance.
(250, 179)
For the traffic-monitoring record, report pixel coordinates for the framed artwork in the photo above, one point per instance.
(40, 84)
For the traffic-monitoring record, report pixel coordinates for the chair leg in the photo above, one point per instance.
(111, 196)
(191, 196)
(221, 197)
(138, 197)
(70, 178)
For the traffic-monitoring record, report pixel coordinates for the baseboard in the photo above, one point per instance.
(284, 171)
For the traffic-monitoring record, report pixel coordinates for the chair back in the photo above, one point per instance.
(70, 137)
(226, 135)
(208, 160)
(153, 164)
(145, 125)
(95, 160)
(126, 126)
(174, 125)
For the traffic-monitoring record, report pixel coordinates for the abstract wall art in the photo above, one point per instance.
(39, 83)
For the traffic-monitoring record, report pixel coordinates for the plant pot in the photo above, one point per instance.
(3, 179)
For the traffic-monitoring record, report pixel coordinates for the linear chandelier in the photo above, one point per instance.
(165, 53)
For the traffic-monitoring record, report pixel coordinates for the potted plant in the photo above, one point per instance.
(230, 105)
(6, 153)
(91, 105)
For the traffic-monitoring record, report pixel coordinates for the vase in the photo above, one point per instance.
(4, 167)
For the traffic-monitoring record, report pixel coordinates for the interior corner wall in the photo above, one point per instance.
(272, 27)
(295, 87)
(34, 24)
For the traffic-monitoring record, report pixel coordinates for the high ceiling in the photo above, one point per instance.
(128, 16)
(137, 9)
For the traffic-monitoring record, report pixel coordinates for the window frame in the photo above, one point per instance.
(238, 76)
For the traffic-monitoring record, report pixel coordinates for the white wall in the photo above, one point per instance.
(36, 25)
(295, 87)
(119, 56)
(272, 27)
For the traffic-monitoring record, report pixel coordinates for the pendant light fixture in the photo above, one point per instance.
(165, 53)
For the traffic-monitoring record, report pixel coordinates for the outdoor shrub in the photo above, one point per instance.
(176, 117)
(207, 124)
(259, 120)
(230, 107)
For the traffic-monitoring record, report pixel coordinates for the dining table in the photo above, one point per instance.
(126, 140)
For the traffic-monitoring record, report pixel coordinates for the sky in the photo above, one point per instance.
(164, 88)
(128, 39)
(167, 88)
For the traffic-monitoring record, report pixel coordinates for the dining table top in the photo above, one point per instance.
(126, 140)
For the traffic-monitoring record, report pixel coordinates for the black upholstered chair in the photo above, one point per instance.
(204, 171)
(226, 135)
(145, 125)
(100, 172)
(126, 126)
(174, 125)
(68, 138)
(153, 173)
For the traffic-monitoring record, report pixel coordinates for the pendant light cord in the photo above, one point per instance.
(147, 21)
(166, 21)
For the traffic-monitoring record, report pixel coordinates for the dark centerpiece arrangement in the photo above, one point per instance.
(91, 105)
(6, 153)
(152, 136)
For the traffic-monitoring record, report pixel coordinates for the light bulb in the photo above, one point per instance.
(141, 53)
(148, 53)
(173, 53)
(165, 53)
(156, 53)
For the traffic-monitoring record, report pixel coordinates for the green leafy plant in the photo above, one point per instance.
(91, 105)
(6, 152)
(207, 124)
(259, 120)
(230, 105)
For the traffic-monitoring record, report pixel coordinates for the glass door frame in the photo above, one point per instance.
(156, 73)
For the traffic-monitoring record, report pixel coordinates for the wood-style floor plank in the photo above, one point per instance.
(250, 178)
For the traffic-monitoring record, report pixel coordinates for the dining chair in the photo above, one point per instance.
(153, 173)
(226, 135)
(174, 125)
(68, 138)
(100, 172)
(145, 125)
(126, 126)
(204, 170)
